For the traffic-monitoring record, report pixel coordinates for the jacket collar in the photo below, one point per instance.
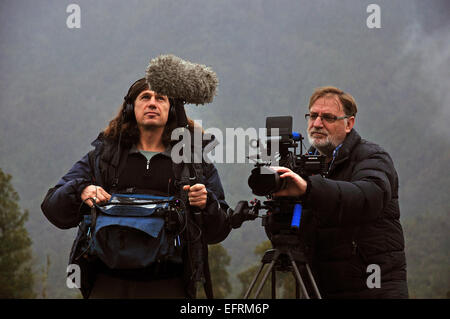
(98, 141)
(166, 152)
(351, 140)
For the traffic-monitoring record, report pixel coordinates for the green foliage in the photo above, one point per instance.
(427, 252)
(218, 261)
(16, 276)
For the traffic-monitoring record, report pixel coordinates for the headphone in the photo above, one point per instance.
(128, 110)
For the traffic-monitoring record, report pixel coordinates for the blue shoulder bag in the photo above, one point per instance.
(132, 231)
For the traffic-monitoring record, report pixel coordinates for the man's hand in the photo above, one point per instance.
(197, 195)
(97, 193)
(296, 186)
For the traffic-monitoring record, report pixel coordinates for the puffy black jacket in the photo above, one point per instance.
(356, 214)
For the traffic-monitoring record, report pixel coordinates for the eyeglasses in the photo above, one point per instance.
(329, 118)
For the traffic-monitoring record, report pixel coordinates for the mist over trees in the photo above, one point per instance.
(59, 87)
(17, 278)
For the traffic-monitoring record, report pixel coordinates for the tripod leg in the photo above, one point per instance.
(297, 290)
(263, 281)
(311, 278)
(274, 284)
(247, 294)
(299, 279)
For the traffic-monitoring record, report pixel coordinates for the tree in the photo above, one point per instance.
(218, 260)
(16, 276)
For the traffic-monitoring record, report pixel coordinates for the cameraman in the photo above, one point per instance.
(143, 164)
(355, 210)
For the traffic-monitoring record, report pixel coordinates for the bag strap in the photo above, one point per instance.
(191, 173)
(119, 169)
(96, 178)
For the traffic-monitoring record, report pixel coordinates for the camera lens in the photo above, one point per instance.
(264, 181)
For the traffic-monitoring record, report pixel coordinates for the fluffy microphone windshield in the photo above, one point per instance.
(180, 79)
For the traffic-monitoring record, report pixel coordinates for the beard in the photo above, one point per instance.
(151, 125)
(325, 145)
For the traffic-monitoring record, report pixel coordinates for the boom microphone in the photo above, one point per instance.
(179, 79)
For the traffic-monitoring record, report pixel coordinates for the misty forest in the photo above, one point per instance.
(61, 83)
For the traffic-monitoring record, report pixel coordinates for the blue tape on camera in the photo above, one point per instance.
(297, 214)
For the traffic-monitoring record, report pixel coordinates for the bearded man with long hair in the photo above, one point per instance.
(133, 154)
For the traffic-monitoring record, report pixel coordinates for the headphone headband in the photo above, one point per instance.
(126, 97)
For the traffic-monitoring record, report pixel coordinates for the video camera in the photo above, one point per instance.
(263, 180)
(283, 212)
(282, 220)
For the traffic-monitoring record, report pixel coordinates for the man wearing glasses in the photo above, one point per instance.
(352, 214)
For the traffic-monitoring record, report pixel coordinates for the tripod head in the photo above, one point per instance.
(281, 223)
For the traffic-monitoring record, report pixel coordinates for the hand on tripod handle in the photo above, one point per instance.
(243, 212)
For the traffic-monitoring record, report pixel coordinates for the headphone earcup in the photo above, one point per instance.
(128, 113)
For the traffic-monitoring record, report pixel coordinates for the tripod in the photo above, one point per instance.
(284, 257)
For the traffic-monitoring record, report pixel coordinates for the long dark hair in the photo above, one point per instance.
(130, 131)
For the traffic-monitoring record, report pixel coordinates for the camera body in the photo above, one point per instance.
(283, 213)
(263, 180)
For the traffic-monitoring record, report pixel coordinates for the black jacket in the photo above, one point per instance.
(355, 213)
(62, 203)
